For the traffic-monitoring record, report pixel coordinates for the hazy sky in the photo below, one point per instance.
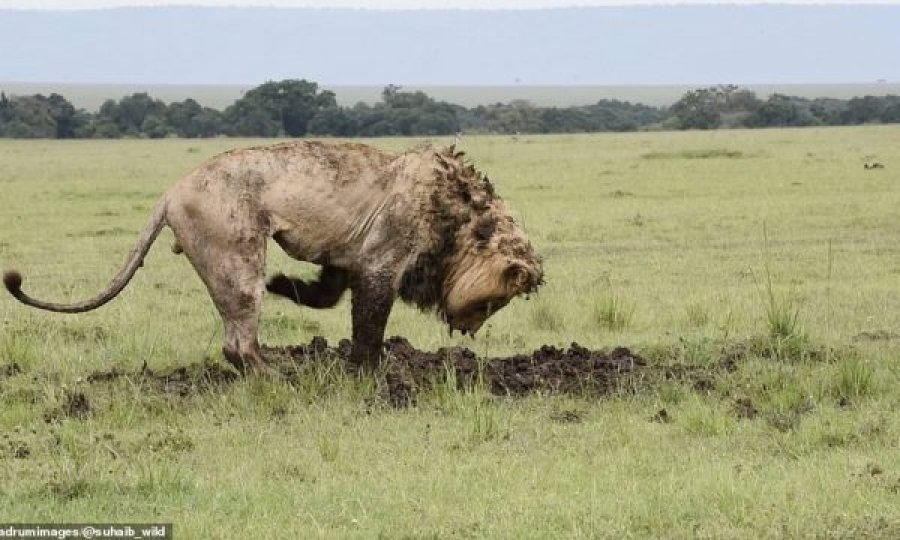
(397, 4)
(699, 44)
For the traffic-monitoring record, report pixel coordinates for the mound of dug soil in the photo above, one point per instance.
(408, 370)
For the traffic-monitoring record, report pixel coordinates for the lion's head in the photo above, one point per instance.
(495, 264)
(481, 257)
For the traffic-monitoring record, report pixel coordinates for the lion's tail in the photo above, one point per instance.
(13, 279)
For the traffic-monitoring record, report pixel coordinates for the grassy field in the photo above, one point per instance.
(769, 260)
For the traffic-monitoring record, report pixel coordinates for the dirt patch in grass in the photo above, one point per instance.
(744, 408)
(876, 335)
(75, 405)
(407, 371)
(14, 448)
(181, 381)
(10, 370)
(706, 153)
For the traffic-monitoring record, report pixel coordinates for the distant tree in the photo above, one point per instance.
(189, 119)
(69, 122)
(827, 111)
(128, 116)
(698, 109)
(335, 121)
(31, 118)
(393, 97)
(38, 116)
(289, 104)
(179, 115)
(434, 123)
(517, 116)
(615, 115)
(5, 108)
(131, 112)
(207, 123)
(108, 109)
(863, 109)
(891, 112)
(780, 110)
(708, 108)
(372, 121)
(103, 124)
(731, 98)
(247, 118)
(155, 127)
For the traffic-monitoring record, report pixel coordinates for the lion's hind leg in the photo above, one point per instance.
(237, 289)
(234, 274)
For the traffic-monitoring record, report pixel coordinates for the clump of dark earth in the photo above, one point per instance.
(75, 405)
(744, 408)
(407, 371)
(15, 449)
(10, 370)
(568, 416)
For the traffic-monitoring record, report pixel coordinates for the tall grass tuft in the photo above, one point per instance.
(787, 338)
(483, 425)
(697, 315)
(329, 447)
(855, 379)
(613, 313)
(444, 391)
(471, 402)
(702, 418)
(701, 351)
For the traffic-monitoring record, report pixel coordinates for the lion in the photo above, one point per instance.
(421, 226)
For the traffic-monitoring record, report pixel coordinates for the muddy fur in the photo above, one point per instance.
(320, 294)
(479, 252)
(468, 243)
(465, 218)
(423, 226)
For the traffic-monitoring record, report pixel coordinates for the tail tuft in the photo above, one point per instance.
(13, 281)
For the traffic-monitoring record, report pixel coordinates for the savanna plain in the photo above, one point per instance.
(754, 276)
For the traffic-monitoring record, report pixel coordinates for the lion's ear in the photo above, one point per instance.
(517, 278)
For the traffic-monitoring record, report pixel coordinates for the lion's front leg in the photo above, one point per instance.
(321, 294)
(373, 296)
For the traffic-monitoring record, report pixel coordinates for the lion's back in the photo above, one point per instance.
(342, 164)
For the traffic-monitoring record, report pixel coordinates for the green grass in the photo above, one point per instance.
(611, 312)
(783, 424)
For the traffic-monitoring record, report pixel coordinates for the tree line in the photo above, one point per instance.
(731, 106)
(296, 108)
